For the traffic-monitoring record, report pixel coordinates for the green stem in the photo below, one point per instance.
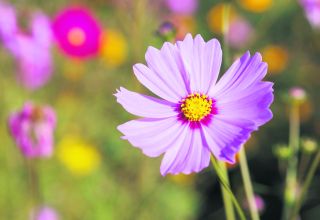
(222, 177)
(304, 161)
(33, 184)
(305, 186)
(290, 193)
(248, 185)
(225, 194)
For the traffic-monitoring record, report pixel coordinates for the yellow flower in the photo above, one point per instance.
(78, 156)
(215, 17)
(256, 5)
(114, 48)
(276, 57)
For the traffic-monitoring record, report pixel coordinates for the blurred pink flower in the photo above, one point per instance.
(45, 213)
(240, 33)
(297, 93)
(312, 11)
(77, 32)
(32, 129)
(182, 6)
(32, 52)
(260, 204)
(8, 23)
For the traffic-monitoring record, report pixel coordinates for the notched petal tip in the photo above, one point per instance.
(199, 38)
(258, 56)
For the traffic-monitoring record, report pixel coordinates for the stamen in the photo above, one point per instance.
(196, 106)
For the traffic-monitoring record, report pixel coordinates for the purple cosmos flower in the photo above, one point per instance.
(77, 32)
(196, 115)
(182, 6)
(312, 11)
(32, 129)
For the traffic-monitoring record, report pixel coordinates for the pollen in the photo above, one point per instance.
(196, 106)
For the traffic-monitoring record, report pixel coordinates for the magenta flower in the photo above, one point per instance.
(32, 129)
(312, 11)
(196, 115)
(77, 32)
(182, 6)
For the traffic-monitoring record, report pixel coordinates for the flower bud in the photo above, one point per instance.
(282, 152)
(308, 145)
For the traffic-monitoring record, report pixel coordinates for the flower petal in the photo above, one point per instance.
(225, 136)
(243, 73)
(153, 136)
(201, 61)
(250, 104)
(155, 84)
(145, 106)
(167, 65)
(41, 30)
(190, 154)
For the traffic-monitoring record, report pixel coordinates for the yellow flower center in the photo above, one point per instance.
(76, 36)
(196, 106)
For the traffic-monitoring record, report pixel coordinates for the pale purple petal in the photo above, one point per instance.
(34, 62)
(243, 73)
(8, 22)
(151, 81)
(189, 154)
(225, 136)
(251, 104)
(145, 106)
(243, 102)
(168, 66)
(202, 61)
(41, 30)
(153, 136)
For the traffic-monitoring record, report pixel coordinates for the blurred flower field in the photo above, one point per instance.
(72, 57)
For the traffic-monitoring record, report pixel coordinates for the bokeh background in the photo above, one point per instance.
(95, 175)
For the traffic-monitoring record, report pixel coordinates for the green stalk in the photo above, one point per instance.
(305, 186)
(248, 185)
(227, 193)
(290, 193)
(33, 184)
